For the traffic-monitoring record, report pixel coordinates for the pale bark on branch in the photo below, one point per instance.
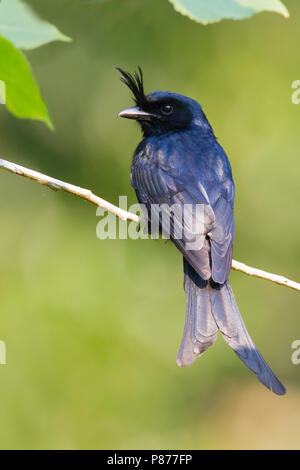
(124, 215)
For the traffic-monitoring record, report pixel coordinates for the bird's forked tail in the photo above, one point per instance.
(211, 308)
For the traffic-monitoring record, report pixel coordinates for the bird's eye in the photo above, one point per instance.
(166, 109)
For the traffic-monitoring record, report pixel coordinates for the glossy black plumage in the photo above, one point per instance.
(179, 161)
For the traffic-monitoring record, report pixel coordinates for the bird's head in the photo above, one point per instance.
(161, 111)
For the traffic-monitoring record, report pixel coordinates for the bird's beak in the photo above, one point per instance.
(135, 113)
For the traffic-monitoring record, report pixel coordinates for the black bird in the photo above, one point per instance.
(179, 161)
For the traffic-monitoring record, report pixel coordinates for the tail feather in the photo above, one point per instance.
(234, 332)
(200, 329)
(212, 307)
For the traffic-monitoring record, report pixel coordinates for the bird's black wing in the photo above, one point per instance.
(221, 239)
(159, 191)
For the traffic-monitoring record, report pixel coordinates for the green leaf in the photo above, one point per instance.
(210, 11)
(20, 25)
(23, 97)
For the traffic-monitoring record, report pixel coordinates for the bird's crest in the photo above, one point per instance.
(135, 83)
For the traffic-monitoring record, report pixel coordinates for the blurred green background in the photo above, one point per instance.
(92, 327)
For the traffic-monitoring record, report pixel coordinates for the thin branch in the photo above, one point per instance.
(69, 188)
(282, 281)
(124, 215)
